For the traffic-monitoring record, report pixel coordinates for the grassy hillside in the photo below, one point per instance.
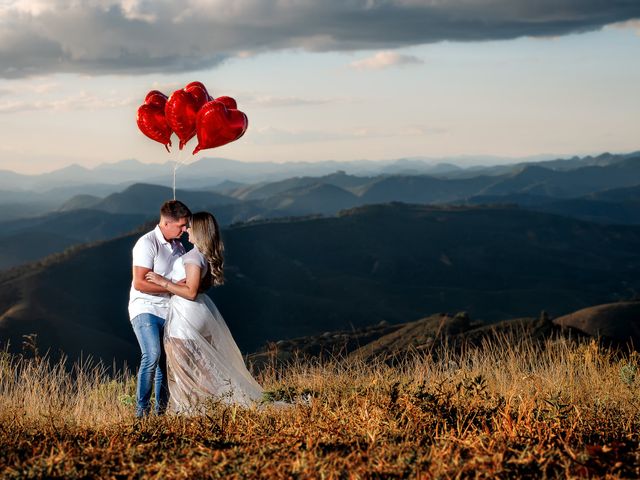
(511, 408)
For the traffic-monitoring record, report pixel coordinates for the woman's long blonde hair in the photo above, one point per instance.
(205, 234)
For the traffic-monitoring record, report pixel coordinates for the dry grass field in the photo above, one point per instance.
(511, 408)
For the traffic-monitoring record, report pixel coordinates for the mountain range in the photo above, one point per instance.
(603, 189)
(43, 192)
(339, 190)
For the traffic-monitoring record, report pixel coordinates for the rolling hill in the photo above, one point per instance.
(615, 206)
(431, 335)
(614, 324)
(146, 199)
(538, 180)
(619, 322)
(32, 239)
(89, 218)
(291, 278)
(264, 190)
(318, 198)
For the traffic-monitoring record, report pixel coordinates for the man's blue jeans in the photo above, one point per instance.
(149, 330)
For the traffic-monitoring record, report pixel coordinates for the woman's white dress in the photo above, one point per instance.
(203, 360)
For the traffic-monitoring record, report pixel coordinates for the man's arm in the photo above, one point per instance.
(143, 285)
(187, 288)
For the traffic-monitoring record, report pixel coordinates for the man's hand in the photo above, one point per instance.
(156, 279)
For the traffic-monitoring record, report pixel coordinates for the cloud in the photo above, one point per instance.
(632, 24)
(144, 36)
(78, 101)
(385, 59)
(271, 101)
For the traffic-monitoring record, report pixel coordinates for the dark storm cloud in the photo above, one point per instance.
(142, 36)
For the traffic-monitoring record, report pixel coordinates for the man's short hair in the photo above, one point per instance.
(174, 210)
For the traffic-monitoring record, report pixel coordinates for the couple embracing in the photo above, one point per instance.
(188, 352)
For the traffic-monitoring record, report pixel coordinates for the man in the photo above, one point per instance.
(149, 303)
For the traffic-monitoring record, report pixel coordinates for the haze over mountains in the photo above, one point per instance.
(602, 189)
(33, 194)
(208, 171)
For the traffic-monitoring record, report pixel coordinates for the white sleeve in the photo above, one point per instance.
(144, 253)
(197, 259)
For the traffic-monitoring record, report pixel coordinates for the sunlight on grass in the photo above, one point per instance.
(509, 408)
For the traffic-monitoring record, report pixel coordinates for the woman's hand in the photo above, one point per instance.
(157, 279)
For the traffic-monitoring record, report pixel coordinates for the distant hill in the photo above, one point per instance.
(80, 202)
(25, 241)
(622, 212)
(420, 189)
(20, 248)
(602, 160)
(31, 239)
(29, 203)
(407, 166)
(44, 298)
(23, 210)
(146, 199)
(319, 198)
(612, 206)
(264, 190)
(628, 194)
(538, 180)
(431, 335)
(619, 321)
(292, 278)
(613, 324)
(559, 164)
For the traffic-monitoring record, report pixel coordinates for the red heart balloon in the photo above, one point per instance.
(181, 110)
(218, 125)
(151, 119)
(154, 97)
(228, 102)
(199, 91)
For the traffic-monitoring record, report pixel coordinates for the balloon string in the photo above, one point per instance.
(174, 181)
(179, 161)
(182, 158)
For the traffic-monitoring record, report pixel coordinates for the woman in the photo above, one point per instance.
(203, 360)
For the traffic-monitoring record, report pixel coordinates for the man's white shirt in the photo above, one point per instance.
(153, 251)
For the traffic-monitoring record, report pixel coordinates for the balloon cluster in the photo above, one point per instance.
(189, 112)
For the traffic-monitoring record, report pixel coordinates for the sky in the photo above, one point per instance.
(322, 80)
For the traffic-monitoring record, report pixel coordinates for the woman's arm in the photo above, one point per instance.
(141, 284)
(187, 289)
